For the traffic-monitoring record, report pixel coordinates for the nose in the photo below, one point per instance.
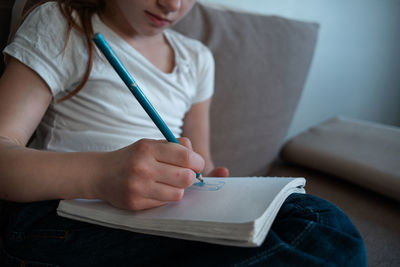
(170, 5)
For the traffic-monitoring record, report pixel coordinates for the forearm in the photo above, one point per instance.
(32, 175)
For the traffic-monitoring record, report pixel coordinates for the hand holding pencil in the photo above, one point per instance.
(146, 174)
(102, 44)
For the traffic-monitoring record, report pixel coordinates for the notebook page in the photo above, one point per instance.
(235, 200)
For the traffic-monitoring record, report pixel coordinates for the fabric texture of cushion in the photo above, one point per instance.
(365, 153)
(262, 64)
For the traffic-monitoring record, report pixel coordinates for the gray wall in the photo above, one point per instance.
(356, 68)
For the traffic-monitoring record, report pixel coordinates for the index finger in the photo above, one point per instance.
(178, 155)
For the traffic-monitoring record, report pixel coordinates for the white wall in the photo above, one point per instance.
(356, 67)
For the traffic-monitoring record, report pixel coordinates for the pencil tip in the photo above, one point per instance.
(200, 177)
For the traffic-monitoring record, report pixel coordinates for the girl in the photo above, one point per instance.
(88, 143)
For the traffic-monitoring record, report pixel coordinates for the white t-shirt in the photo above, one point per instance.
(104, 115)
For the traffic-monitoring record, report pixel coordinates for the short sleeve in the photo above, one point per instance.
(39, 44)
(205, 75)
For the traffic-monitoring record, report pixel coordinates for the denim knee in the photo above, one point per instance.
(321, 211)
(327, 231)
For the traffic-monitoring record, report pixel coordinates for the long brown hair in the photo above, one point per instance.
(84, 10)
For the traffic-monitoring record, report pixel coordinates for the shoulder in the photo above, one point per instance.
(40, 44)
(45, 28)
(191, 54)
(44, 24)
(44, 33)
(47, 7)
(191, 47)
(185, 39)
(199, 62)
(45, 16)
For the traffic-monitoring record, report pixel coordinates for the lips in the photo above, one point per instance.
(157, 20)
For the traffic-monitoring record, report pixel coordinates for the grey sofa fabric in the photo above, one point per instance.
(362, 152)
(262, 64)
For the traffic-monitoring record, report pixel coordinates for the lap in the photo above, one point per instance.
(308, 231)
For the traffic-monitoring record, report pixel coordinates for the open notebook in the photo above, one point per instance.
(230, 211)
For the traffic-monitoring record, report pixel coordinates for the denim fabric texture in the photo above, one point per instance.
(308, 231)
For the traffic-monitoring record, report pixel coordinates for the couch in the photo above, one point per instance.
(262, 63)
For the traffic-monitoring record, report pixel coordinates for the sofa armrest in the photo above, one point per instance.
(364, 153)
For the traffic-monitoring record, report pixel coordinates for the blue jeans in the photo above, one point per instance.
(308, 231)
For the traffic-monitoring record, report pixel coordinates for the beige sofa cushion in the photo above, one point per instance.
(261, 66)
(365, 153)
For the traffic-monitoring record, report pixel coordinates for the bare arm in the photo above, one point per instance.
(145, 174)
(27, 174)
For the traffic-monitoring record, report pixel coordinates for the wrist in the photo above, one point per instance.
(96, 175)
(83, 175)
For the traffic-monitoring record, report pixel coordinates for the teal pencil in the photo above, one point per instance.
(135, 90)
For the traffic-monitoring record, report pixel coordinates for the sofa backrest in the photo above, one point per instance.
(262, 64)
